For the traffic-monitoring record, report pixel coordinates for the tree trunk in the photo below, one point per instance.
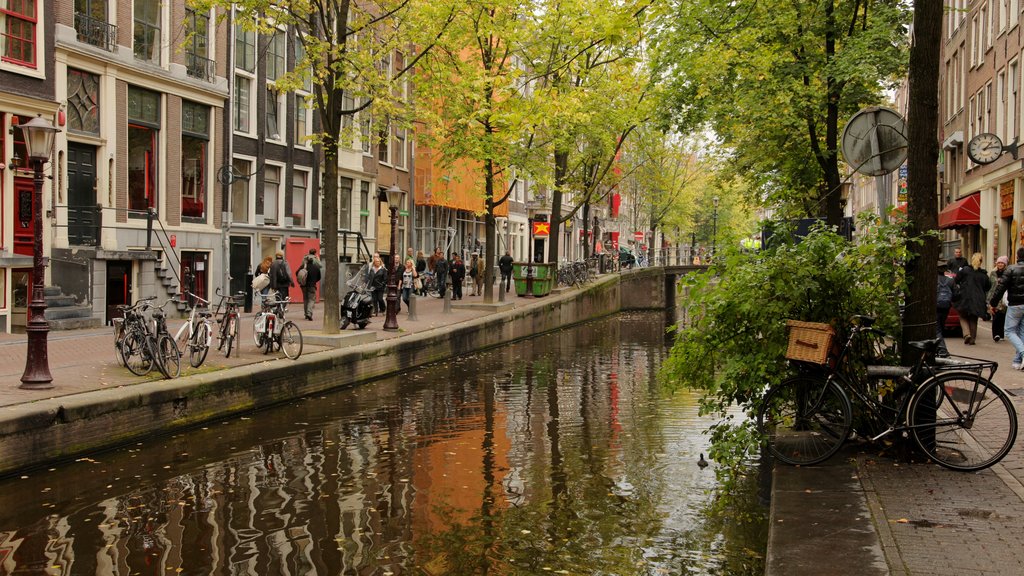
(561, 169)
(922, 172)
(490, 248)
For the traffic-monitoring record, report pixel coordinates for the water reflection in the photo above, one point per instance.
(558, 454)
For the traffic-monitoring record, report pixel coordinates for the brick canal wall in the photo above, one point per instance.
(63, 427)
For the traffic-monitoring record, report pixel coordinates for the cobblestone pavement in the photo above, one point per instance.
(934, 521)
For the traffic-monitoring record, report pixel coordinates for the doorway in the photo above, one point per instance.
(241, 253)
(83, 214)
(119, 287)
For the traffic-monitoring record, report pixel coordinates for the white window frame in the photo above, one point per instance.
(250, 186)
(279, 208)
(39, 69)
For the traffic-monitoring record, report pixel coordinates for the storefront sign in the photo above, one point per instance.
(1006, 199)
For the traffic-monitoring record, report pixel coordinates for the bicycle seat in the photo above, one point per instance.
(926, 345)
(204, 313)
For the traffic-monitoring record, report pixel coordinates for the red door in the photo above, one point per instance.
(24, 223)
(295, 249)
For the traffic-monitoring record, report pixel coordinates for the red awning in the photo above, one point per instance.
(964, 212)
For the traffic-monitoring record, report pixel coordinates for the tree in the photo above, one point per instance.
(775, 80)
(343, 43)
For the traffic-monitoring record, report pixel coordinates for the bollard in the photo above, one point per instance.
(447, 297)
(412, 305)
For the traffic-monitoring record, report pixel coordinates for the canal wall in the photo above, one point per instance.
(63, 427)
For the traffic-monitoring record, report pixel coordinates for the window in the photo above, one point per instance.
(91, 24)
(275, 56)
(365, 125)
(83, 102)
(195, 267)
(240, 191)
(300, 180)
(300, 57)
(398, 150)
(301, 121)
(143, 132)
(19, 31)
(345, 204)
(147, 30)
(197, 56)
(383, 141)
(271, 192)
(347, 120)
(241, 103)
(245, 49)
(273, 125)
(364, 208)
(195, 137)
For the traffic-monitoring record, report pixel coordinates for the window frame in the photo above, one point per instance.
(157, 55)
(31, 39)
(202, 188)
(153, 166)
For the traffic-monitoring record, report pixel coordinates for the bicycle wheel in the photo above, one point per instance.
(200, 345)
(291, 340)
(137, 357)
(230, 333)
(168, 357)
(257, 334)
(962, 421)
(805, 420)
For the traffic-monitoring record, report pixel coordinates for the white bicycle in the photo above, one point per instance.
(272, 331)
(196, 334)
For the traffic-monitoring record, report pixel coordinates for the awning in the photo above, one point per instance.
(964, 212)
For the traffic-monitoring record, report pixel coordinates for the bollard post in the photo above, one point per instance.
(447, 295)
(411, 305)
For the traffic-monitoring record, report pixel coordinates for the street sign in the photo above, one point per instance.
(541, 228)
(638, 236)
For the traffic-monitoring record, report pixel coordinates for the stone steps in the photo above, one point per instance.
(64, 313)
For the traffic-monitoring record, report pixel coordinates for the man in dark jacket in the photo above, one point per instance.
(957, 262)
(441, 272)
(280, 276)
(311, 264)
(1012, 283)
(505, 266)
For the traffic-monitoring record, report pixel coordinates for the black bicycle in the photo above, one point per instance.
(949, 406)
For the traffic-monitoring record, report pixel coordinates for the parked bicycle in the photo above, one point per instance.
(430, 288)
(146, 343)
(573, 273)
(229, 322)
(132, 324)
(168, 357)
(196, 334)
(272, 331)
(950, 407)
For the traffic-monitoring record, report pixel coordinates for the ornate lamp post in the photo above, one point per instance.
(394, 194)
(38, 141)
(714, 229)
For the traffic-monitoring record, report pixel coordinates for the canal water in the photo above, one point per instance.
(555, 455)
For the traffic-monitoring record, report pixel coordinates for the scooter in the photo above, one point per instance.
(357, 305)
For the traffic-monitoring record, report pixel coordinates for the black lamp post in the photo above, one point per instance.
(394, 194)
(38, 141)
(714, 229)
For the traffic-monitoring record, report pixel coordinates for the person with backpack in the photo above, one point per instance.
(999, 313)
(308, 277)
(280, 276)
(943, 302)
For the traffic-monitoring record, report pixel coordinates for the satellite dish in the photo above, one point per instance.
(874, 141)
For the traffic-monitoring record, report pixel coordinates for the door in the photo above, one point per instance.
(24, 222)
(295, 250)
(83, 215)
(119, 287)
(241, 260)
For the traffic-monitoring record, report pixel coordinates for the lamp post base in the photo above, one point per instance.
(37, 364)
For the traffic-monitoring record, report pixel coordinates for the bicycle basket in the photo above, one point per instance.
(809, 341)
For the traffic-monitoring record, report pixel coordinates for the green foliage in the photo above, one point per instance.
(734, 346)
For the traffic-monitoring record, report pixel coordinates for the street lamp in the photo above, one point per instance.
(394, 194)
(38, 135)
(714, 229)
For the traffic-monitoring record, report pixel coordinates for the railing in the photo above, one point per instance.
(96, 32)
(200, 67)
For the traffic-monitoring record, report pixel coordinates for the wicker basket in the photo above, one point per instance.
(809, 341)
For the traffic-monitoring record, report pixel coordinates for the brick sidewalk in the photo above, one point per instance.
(83, 360)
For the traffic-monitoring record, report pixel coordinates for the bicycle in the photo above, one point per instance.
(130, 343)
(271, 331)
(959, 418)
(168, 357)
(429, 281)
(229, 323)
(196, 334)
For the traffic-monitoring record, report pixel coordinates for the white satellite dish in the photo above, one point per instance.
(874, 141)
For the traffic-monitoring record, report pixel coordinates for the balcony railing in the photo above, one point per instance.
(200, 67)
(95, 32)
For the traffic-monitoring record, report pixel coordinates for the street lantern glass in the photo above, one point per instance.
(715, 201)
(394, 194)
(38, 138)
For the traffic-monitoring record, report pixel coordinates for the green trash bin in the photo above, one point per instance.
(542, 282)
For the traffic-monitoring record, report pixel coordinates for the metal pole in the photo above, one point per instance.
(37, 365)
(391, 320)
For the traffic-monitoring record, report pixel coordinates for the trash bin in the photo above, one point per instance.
(541, 283)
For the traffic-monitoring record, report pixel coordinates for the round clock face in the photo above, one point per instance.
(985, 148)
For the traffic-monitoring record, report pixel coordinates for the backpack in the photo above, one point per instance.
(944, 292)
(301, 275)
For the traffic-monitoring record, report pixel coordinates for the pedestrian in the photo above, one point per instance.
(309, 281)
(378, 282)
(476, 272)
(440, 273)
(458, 273)
(943, 302)
(999, 312)
(1011, 283)
(264, 268)
(280, 276)
(957, 262)
(421, 267)
(432, 261)
(409, 277)
(972, 283)
(505, 266)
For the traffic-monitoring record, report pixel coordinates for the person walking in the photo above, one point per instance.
(476, 272)
(505, 266)
(973, 284)
(999, 312)
(440, 272)
(957, 262)
(280, 276)
(1011, 283)
(409, 276)
(943, 302)
(309, 281)
(421, 266)
(378, 283)
(264, 268)
(458, 274)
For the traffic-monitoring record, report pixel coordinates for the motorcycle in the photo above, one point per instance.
(357, 305)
